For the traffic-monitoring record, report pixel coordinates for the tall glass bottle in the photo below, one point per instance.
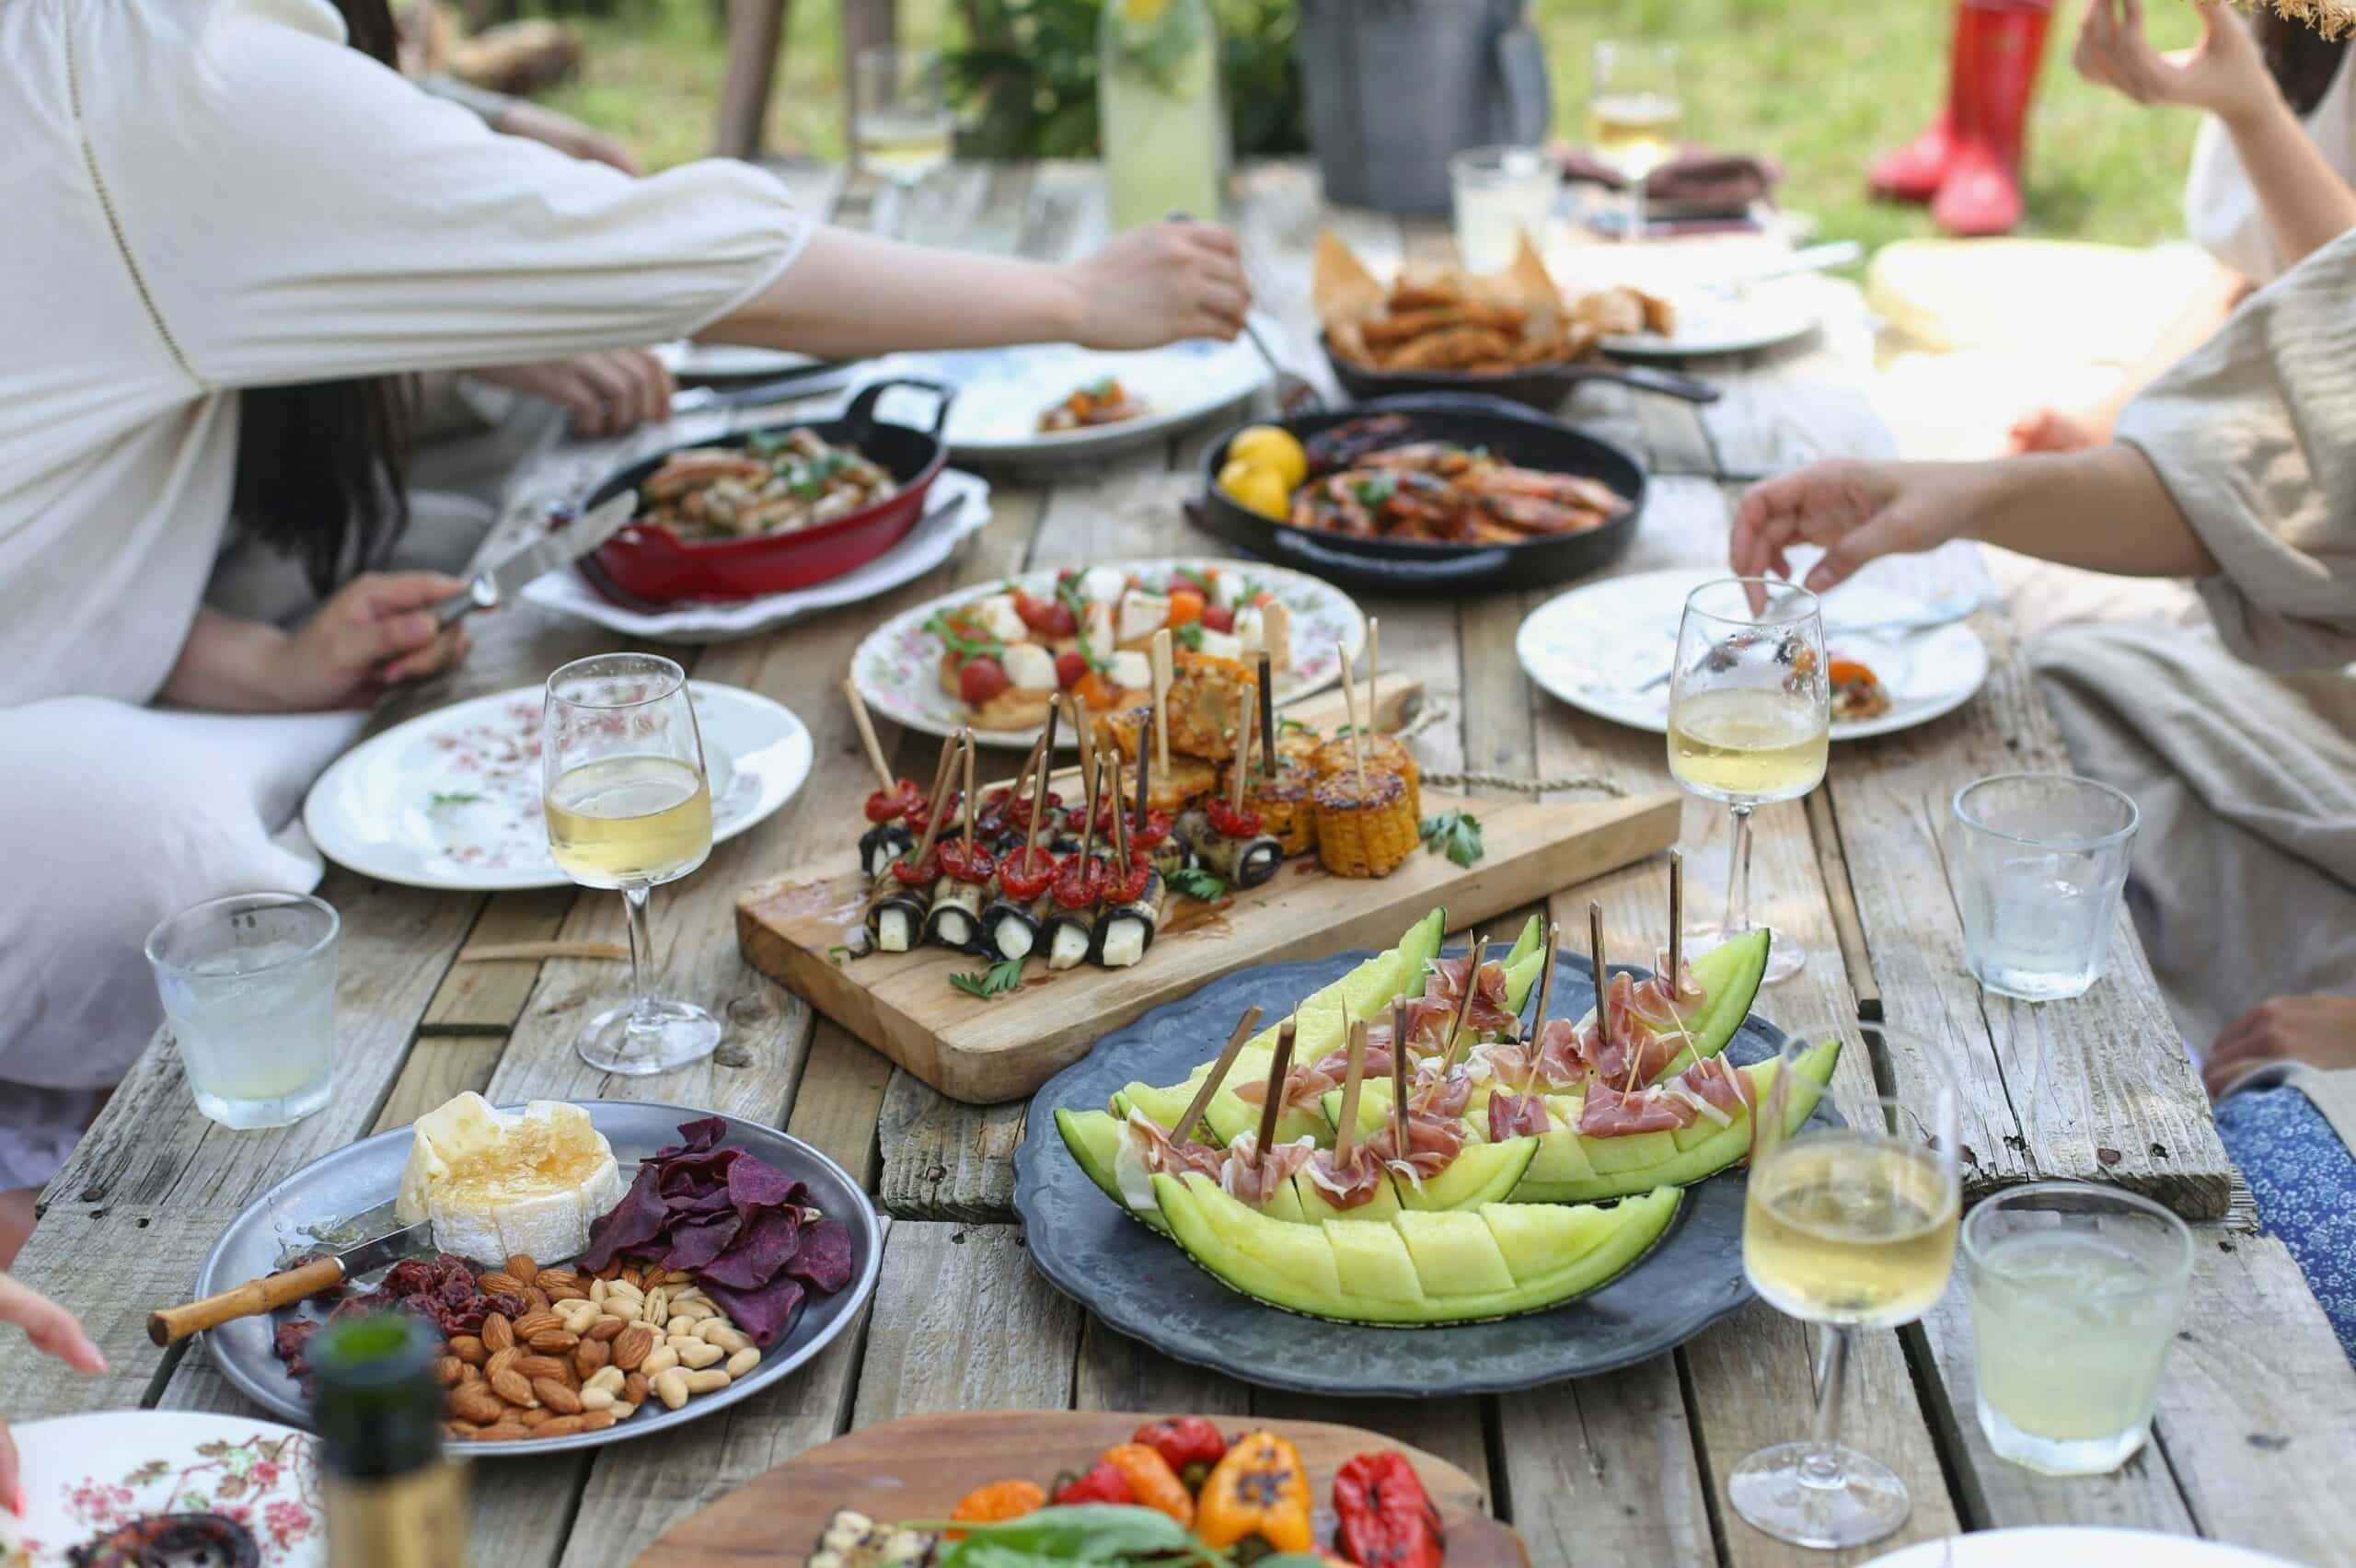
(1158, 101)
(393, 1501)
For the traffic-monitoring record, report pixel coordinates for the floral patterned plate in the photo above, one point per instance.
(452, 799)
(898, 666)
(86, 1475)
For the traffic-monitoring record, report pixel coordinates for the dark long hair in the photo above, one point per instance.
(2303, 62)
(320, 465)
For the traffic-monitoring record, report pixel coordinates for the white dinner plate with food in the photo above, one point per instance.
(102, 1481)
(1606, 646)
(899, 667)
(1709, 321)
(2057, 1546)
(451, 799)
(731, 362)
(1002, 394)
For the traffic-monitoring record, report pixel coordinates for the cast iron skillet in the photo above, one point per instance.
(1542, 387)
(1415, 569)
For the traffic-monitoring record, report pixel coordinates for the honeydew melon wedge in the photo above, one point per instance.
(1413, 1268)
(1095, 1138)
(1728, 975)
(1572, 1169)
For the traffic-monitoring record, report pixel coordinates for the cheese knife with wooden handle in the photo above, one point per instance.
(172, 1324)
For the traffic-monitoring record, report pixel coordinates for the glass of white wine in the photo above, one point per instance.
(1750, 721)
(900, 115)
(1634, 112)
(622, 781)
(1851, 1227)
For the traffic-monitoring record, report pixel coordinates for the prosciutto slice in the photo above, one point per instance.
(1556, 1063)
(1489, 1012)
(1516, 1116)
(1304, 1084)
(1443, 1096)
(1347, 1183)
(1720, 1082)
(1254, 1181)
(1432, 1146)
(1609, 1113)
(1162, 1156)
(1620, 1046)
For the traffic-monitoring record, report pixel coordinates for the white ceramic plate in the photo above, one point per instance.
(1597, 646)
(898, 667)
(452, 799)
(692, 623)
(730, 362)
(1002, 392)
(85, 1475)
(2053, 1546)
(1711, 323)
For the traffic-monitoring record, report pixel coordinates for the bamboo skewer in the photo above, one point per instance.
(1086, 741)
(866, 726)
(941, 774)
(1161, 664)
(1280, 1068)
(1676, 923)
(1399, 1076)
(1267, 719)
(1373, 662)
(1346, 1131)
(1145, 782)
(1465, 1005)
(1358, 734)
(1275, 632)
(1038, 803)
(1545, 997)
(494, 952)
(1235, 775)
(969, 795)
(1202, 1100)
(1120, 820)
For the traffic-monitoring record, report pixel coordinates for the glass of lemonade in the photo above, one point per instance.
(1632, 113)
(1749, 720)
(1848, 1227)
(248, 989)
(2075, 1292)
(2040, 858)
(1500, 194)
(622, 781)
(900, 116)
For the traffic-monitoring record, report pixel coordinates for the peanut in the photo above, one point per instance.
(578, 1316)
(706, 1381)
(526, 1272)
(624, 1410)
(695, 1354)
(633, 1346)
(624, 1288)
(671, 1388)
(598, 1398)
(471, 1401)
(661, 1359)
(469, 1349)
(714, 1331)
(610, 1378)
(679, 1323)
(597, 1290)
(743, 1361)
(514, 1388)
(626, 1307)
(498, 1333)
(556, 1395)
(551, 1340)
(658, 1306)
(677, 1277)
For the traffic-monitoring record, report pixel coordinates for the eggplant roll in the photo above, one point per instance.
(1123, 931)
(881, 845)
(956, 917)
(1011, 930)
(895, 916)
(1239, 862)
(1070, 935)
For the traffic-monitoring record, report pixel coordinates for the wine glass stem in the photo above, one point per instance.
(1635, 209)
(1822, 1466)
(1737, 919)
(635, 899)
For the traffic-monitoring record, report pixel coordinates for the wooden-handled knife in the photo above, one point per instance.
(173, 1324)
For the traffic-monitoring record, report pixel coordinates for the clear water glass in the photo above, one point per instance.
(2040, 860)
(2075, 1293)
(900, 115)
(1635, 114)
(1500, 194)
(248, 984)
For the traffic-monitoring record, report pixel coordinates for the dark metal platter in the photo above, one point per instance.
(1142, 1285)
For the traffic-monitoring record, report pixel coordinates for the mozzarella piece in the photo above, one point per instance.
(1124, 944)
(892, 934)
(1069, 949)
(1131, 670)
(956, 927)
(1097, 625)
(1220, 645)
(996, 614)
(499, 1182)
(1030, 666)
(1103, 584)
(1249, 628)
(1142, 615)
(1013, 940)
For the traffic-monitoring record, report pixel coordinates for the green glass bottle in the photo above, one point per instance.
(393, 1500)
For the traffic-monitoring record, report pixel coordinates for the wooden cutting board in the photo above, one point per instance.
(916, 1468)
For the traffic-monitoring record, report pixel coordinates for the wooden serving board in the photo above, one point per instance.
(919, 1468)
(983, 1050)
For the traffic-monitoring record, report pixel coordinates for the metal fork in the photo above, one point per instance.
(1294, 393)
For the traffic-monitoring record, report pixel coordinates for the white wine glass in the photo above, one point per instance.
(1750, 721)
(901, 121)
(1848, 1227)
(1633, 112)
(622, 781)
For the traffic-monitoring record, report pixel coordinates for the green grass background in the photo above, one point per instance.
(1822, 85)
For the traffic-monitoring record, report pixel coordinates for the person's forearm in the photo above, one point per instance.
(228, 664)
(2103, 509)
(850, 294)
(2307, 204)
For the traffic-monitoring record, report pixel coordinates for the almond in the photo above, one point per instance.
(502, 1361)
(551, 1340)
(531, 1323)
(630, 1276)
(634, 1387)
(538, 1366)
(499, 1281)
(526, 1272)
(503, 1432)
(535, 1418)
(449, 1371)
(535, 1299)
(632, 1347)
(605, 1328)
(562, 1426)
(498, 1333)
(557, 1396)
(513, 1387)
(469, 1349)
(612, 1269)
(589, 1355)
(469, 1373)
(472, 1401)
(551, 1278)
(595, 1420)
(560, 1293)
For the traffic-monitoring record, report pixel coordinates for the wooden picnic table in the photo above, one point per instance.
(1625, 1468)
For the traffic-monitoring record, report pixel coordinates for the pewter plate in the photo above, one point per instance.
(1142, 1285)
(348, 1197)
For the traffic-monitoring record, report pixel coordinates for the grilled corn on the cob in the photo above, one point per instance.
(1388, 753)
(1286, 811)
(1363, 830)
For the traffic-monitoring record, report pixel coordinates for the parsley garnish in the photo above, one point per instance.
(1456, 835)
(441, 798)
(988, 983)
(965, 648)
(1102, 388)
(1201, 580)
(1067, 589)
(1189, 636)
(1197, 883)
(837, 953)
(765, 444)
(1372, 492)
(809, 480)
(1289, 722)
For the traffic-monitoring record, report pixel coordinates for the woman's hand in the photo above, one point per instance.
(1159, 284)
(2224, 74)
(2056, 429)
(1856, 511)
(2318, 1030)
(605, 393)
(53, 1332)
(566, 134)
(376, 632)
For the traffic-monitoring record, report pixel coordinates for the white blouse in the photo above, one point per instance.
(2221, 211)
(203, 195)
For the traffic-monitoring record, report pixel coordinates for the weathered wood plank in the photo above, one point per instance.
(943, 1160)
(488, 997)
(840, 1100)
(439, 1067)
(111, 1263)
(1602, 1471)
(1455, 1429)
(962, 1321)
(1116, 1372)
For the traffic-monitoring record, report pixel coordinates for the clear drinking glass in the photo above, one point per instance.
(900, 115)
(2040, 858)
(248, 989)
(1750, 721)
(2075, 1291)
(622, 780)
(1847, 1227)
(1634, 112)
(1499, 194)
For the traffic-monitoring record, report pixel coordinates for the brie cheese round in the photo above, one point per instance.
(499, 1182)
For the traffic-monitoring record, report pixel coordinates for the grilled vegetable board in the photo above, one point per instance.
(919, 1468)
(982, 1041)
(1518, 1260)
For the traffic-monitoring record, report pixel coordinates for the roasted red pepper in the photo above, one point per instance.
(1386, 1521)
(1153, 835)
(1025, 873)
(1106, 1484)
(1189, 1443)
(895, 803)
(972, 864)
(1130, 885)
(1018, 812)
(1075, 882)
(923, 873)
(1233, 821)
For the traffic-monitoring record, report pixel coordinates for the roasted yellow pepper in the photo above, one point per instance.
(1258, 1493)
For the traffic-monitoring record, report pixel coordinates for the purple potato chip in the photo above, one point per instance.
(694, 1245)
(822, 1262)
(754, 1184)
(692, 1175)
(637, 1220)
(704, 1132)
(763, 1314)
(760, 1249)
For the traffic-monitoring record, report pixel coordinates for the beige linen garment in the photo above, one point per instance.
(205, 195)
(2244, 873)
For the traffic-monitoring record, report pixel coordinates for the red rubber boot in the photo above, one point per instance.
(1982, 193)
(1915, 171)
